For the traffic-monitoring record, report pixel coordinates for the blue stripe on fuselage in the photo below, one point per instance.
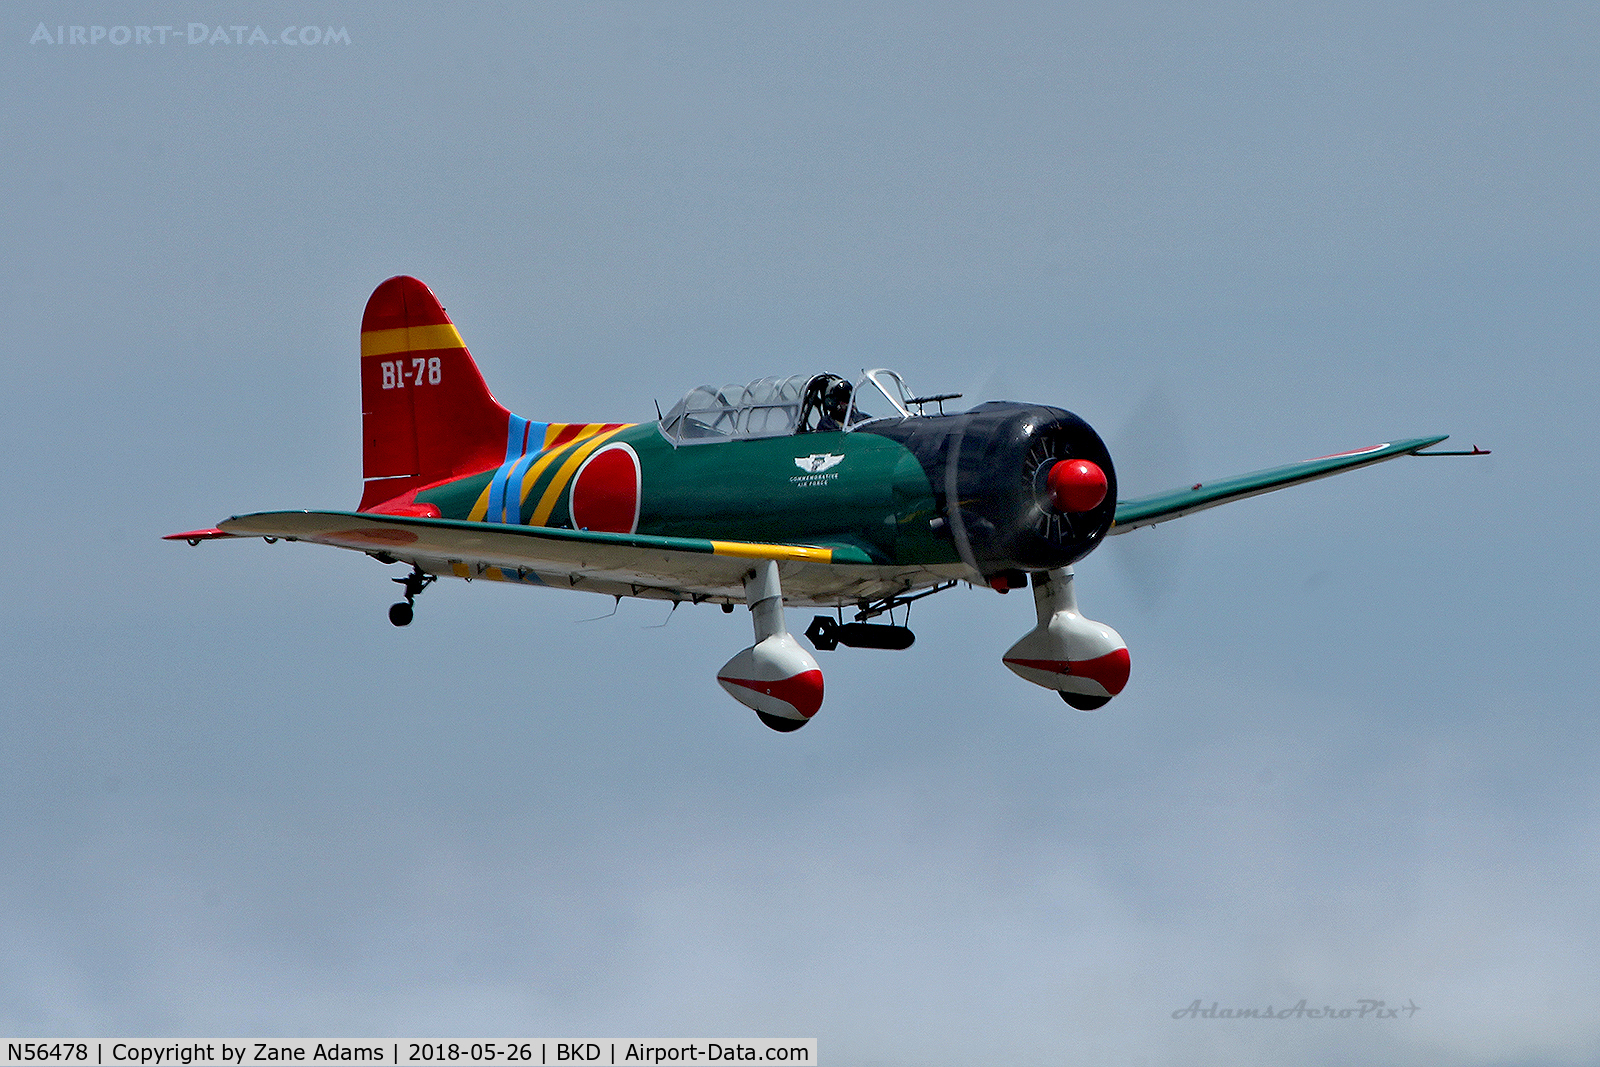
(519, 434)
(513, 489)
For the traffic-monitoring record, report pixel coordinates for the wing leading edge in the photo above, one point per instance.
(680, 568)
(1176, 503)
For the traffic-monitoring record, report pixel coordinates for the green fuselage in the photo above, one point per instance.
(855, 489)
(963, 489)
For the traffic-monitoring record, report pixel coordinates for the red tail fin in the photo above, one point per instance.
(426, 414)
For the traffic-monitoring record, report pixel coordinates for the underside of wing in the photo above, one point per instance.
(1176, 503)
(642, 565)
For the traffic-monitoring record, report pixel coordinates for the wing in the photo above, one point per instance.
(1176, 503)
(671, 568)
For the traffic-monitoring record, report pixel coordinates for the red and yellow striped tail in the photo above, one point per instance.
(426, 413)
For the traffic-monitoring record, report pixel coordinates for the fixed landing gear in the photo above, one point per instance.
(1083, 660)
(775, 677)
(414, 583)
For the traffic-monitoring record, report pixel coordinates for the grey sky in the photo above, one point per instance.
(1357, 754)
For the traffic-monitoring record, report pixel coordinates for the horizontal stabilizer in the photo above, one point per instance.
(194, 537)
(1176, 503)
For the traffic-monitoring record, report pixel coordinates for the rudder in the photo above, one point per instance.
(426, 412)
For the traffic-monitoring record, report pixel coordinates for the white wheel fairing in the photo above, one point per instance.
(1066, 652)
(775, 677)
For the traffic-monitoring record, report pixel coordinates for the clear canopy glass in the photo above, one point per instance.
(879, 394)
(779, 407)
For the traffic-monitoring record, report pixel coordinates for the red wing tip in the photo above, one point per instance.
(194, 537)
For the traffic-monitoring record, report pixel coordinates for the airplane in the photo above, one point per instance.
(808, 490)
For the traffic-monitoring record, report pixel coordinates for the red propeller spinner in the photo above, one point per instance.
(1076, 485)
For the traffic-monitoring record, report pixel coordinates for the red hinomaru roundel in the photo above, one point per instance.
(605, 493)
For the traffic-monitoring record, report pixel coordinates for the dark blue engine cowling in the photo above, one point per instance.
(988, 468)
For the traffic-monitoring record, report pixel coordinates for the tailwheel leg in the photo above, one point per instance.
(413, 584)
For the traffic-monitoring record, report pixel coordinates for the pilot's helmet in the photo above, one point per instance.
(836, 404)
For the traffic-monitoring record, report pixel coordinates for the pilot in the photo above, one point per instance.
(826, 404)
(835, 405)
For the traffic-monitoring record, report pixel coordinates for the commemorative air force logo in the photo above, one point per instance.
(817, 463)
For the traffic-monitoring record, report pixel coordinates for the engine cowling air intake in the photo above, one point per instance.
(1019, 487)
(1028, 487)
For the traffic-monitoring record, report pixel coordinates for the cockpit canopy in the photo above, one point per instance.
(779, 407)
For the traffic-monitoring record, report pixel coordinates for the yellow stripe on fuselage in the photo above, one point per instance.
(750, 550)
(480, 510)
(410, 339)
(536, 471)
(552, 493)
